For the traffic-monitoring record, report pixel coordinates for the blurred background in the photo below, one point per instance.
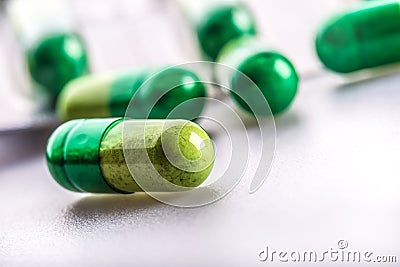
(335, 174)
(129, 34)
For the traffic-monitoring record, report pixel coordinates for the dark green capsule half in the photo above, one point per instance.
(366, 37)
(88, 155)
(156, 92)
(56, 59)
(271, 73)
(221, 24)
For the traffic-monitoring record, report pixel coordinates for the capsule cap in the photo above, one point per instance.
(223, 24)
(336, 45)
(173, 93)
(56, 59)
(73, 155)
(55, 155)
(272, 74)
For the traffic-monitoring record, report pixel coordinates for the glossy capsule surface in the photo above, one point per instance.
(223, 23)
(271, 73)
(365, 37)
(93, 155)
(54, 51)
(56, 59)
(109, 96)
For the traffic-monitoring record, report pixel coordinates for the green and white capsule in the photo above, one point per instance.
(54, 52)
(271, 72)
(218, 22)
(365, 37)
(161, 91)
(124, 156)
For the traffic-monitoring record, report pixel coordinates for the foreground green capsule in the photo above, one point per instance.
(94, 155)
(109, 96)
(366, 37)
(218, 22)
(271, 72)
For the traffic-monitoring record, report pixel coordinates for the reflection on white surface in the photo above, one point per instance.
(335, 177)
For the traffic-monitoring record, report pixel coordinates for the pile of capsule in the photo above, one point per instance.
(86, 153)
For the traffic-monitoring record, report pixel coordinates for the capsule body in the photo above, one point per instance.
(272, 74)
(54, 52)
(156, 93)
(366, 37)
(94, 155)
(218, 22)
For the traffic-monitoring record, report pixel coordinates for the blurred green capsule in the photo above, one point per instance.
(218, 22)
(56, 59)
(94, 155)
(365, 37)
(55, 53)
(156, 94)
(272, 74)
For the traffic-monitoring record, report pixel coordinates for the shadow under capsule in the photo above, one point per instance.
(288, 119)
(110, 205)
(94, 213)
(379, 91)
(358, 79)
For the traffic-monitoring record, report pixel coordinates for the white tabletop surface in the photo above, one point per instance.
(336, 173)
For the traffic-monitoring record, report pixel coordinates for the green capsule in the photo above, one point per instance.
(56, 59)
(222, 24)
(109, 96)
(218, 22)
(271, 72)
(365, 37)
(94, 155)
(54, 52)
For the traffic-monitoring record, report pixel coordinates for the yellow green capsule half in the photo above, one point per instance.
(100, 96)
(365, 37)
(94, 155)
